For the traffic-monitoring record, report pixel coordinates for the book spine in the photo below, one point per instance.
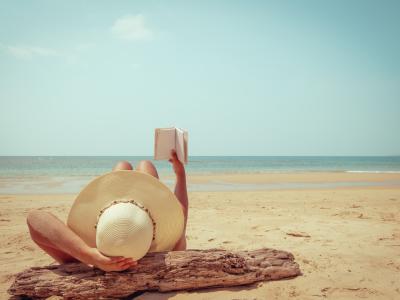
(155, 143)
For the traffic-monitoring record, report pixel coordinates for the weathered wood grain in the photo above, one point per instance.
(163, 271)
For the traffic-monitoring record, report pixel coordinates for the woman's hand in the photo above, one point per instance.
(178, 167)
(115, 263)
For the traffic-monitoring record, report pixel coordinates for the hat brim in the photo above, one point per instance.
(164, 207)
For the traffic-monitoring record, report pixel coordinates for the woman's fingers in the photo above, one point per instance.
(118, 266)
(173, 155)
(117, 258)
(125, 265)
(117, 263)
(127, 261)
(112, 260)
(122, 265)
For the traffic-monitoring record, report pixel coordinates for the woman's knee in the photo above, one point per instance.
(33, 220)
(122, 165)
(34, 216)
(148, 167)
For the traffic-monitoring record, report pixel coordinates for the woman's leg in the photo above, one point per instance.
(122, 165)
(147, 166)
(144, 166)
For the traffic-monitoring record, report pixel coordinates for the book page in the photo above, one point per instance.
(164, 142)
(185, 144)
(181, 145)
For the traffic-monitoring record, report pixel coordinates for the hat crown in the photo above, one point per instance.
(124, 229)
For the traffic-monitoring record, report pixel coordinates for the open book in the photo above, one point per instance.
(167, 139)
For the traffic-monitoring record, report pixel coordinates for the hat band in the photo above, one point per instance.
(132, 202)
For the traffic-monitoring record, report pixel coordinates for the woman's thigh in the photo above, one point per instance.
(147, 166)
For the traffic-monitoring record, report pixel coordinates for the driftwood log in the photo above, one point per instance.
(163, 271)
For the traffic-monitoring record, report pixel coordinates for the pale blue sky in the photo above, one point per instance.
(244, 77)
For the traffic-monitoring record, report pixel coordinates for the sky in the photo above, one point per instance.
(243, 77)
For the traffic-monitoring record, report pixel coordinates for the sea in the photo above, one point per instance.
(68, 174)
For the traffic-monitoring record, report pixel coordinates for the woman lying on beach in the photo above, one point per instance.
(65, 245)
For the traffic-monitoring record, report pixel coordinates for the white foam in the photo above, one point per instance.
(386, 172)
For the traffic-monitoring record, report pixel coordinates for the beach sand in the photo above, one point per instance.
(352, 252)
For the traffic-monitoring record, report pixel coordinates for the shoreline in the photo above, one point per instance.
(215, 182)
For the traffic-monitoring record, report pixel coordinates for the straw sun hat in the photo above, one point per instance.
(127, 213)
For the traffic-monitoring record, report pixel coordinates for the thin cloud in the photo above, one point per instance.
(22, 52)
(132, 28)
